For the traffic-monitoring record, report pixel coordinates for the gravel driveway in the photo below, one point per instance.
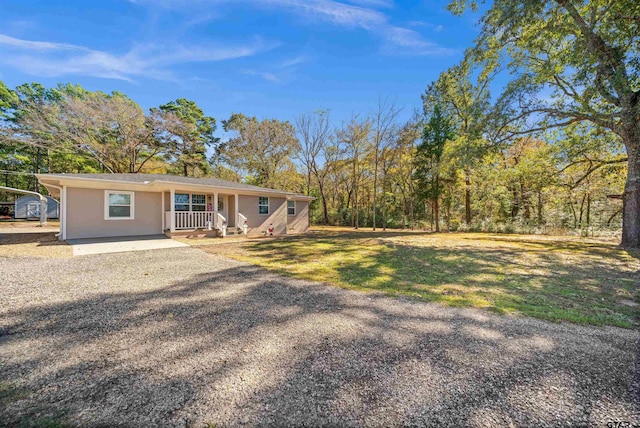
(178, 337)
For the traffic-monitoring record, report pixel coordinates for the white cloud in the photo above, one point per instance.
(433, 27)
(372, 3)
(334, 12)
(281, 72)
(34, 45)
(292, 62)
(51, 59)
(414, 43)
(358, 14)
(271, 77)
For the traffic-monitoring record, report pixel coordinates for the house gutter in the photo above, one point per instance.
(43, 201)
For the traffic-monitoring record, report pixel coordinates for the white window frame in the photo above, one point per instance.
(190, 204)
(294, 207)
(263, 205)
(132, 204)
(204, 204)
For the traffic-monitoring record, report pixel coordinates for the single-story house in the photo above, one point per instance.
(113, 205)
(28, 206)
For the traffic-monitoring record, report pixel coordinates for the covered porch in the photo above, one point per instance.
(189, 210)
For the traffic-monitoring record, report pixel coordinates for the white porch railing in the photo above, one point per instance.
(193, 219)
(221, 224)
(199, 220)
(242, 223)
(220, 221)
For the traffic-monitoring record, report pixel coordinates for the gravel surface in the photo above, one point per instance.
(178, 337)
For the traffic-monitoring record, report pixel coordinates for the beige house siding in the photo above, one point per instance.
(167, 202)
(299, 223)
(231, 210)
(248, 206)
(85, 215)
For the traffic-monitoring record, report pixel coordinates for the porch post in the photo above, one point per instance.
(237, 211)
(63, 225)
(164, 226)
(215, 210)
(172, 192)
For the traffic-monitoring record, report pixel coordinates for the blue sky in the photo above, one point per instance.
(265, 58)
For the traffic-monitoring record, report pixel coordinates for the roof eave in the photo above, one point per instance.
(61, 177)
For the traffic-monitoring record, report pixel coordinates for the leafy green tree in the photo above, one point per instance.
(384, 130)
(469, 106)
(262, 150)
(108, 129)
(575, 61)
(438, 130)
(187, 134)
(8, 98)
(353, 139)
(315, 135)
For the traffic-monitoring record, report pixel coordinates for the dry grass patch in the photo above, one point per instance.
(27, 239)
(555, 278)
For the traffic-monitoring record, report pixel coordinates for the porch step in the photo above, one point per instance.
(233, 232)
(195, 233)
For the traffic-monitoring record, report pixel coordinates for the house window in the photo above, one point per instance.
(291, 207)
(198, 202)
(263, 205)
(118, 205)
(187, 202)
(181, 202)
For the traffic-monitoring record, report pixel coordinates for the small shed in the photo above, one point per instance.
(28, 207)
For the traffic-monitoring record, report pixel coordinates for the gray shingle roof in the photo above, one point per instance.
(147, 178)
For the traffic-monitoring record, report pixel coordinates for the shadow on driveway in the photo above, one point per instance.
(180, 338)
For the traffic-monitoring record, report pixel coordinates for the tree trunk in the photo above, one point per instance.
(584, 197)
(412, 213)
(375, 190)
(412, 209)
(588, 210)
(515, 204)
(436, 202)
(467, 198)
(540, 218)
(325, 212)
(573, 212)
(613, 216)
(384, 201)
(404, 210)
(36, 187)
(355, 208)
(631, 200)
(526, 203)
(436, 213)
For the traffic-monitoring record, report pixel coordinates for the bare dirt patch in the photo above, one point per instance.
(28, 239)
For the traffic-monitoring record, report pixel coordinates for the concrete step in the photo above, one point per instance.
(195, 233)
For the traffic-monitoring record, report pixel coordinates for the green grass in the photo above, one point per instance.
(552, 278)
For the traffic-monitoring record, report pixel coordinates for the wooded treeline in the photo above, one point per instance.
(435, 171)
(557, 146)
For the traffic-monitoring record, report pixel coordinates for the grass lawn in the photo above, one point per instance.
(554, 278)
